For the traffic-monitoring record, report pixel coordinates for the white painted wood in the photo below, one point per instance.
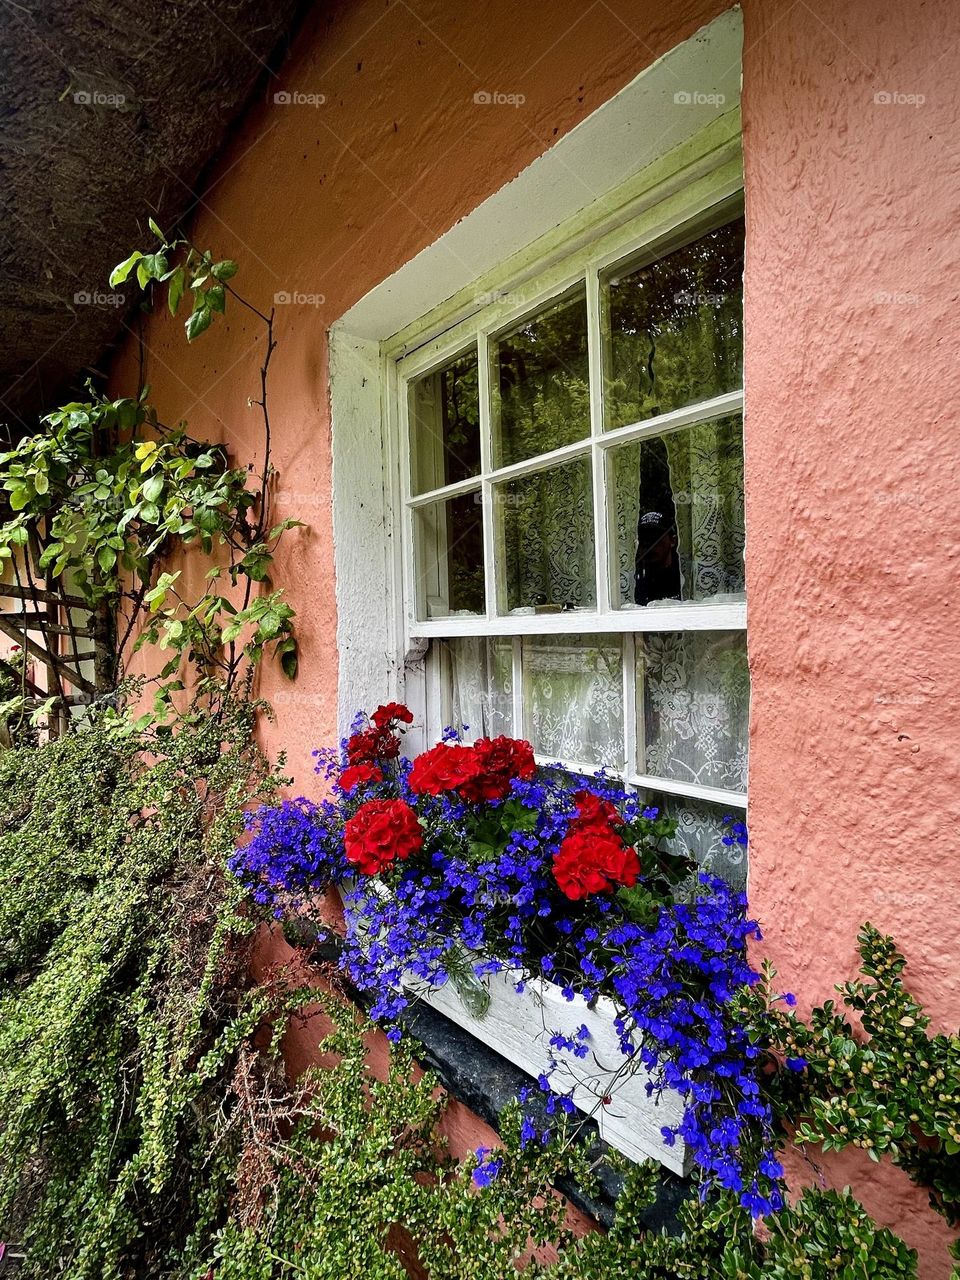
(731, 616)
(714, 795)
(520, 1025)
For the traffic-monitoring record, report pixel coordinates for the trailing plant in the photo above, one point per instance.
(363, 1189)
(124, 995)
(101, 498)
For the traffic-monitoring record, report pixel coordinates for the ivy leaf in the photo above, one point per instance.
(123, 269)
(175, 290)
(216, 299)
(153, 488)
(289, 657)
(198, 322)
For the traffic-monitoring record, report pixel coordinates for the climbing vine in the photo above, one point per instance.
(106, 495)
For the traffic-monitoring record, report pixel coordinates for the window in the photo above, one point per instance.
(572, 474)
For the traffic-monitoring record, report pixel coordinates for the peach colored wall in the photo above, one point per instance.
(852, 474)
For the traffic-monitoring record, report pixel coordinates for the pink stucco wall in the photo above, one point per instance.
(852, 474)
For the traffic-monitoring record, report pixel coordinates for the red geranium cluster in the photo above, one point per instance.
(593, 857)
(380, 741)
(379, 833)
(355, 774)
(481, 773)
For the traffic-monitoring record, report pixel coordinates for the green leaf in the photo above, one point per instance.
(41, 482)
(198, 322)
(156, 230)
(224, 270)
(153, 487)
(106, 558)
(215, 298)
(289, 657)
(123, 269)
(175, 290)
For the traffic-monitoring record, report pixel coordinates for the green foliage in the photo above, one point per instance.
(888, 1087)
(124, 1001)
(825, 1236)
(106, 492)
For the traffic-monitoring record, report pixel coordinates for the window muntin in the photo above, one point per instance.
(540, 583)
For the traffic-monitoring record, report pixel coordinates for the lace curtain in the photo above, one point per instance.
(573, 698)
(694, 689)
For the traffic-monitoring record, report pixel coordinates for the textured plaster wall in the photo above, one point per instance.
(852, 465)
(853, 472)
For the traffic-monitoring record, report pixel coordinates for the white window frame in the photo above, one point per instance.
(678, 216)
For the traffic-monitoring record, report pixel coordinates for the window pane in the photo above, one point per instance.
(700, 832)
(573, 698)
(445, 425)
(541, 383)
(678, 507)
(478, 674)
(449, 561)
(546, 528)
(693, 689)
(673, 329)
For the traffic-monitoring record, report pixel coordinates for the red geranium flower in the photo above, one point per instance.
(498, 762)
(593, 811)
(357, 774)
(445, 767)
(371, 745)
(594, 860)
(392, 712)
(380, 832)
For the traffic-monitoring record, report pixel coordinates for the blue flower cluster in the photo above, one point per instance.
(480, 898)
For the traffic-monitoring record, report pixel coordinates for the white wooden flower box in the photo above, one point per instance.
(518, 1026)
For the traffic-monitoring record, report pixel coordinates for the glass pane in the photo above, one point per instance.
(546, 527)
(673, 329)
(700, 833)
(678, 508)
(541, 383)
(694, 691)
(573, 698)
(478, 676)
(449, 561)
(445, 425)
